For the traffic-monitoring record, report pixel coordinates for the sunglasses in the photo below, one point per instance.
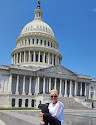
(53, 96)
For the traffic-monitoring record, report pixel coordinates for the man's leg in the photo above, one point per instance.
(50, 119)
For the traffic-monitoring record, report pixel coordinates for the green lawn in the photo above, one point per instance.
(18, 109)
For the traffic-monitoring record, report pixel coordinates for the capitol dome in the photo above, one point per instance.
(37, 26)
(36, 46)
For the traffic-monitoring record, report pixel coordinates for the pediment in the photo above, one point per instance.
(58, 69)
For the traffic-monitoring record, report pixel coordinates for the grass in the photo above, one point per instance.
(18, 109)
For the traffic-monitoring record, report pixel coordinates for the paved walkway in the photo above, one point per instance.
(30, 117)
(2, 123)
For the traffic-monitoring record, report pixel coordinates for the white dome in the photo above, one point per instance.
(37, 26)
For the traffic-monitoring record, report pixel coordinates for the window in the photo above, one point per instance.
(37, 41)
(91, 87)
(41, 42)
(32, 57)
(51, 44)
(21, 58)
(45, 42)
(36, 57)
(54, 60)
(26, 103)
(48, 43)
(29, 41)
(40, 58)
(13, 102)
(45, 59)
(33, 41)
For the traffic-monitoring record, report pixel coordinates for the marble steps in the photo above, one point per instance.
(70, 103)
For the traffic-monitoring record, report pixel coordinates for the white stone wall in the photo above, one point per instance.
(4, 101)
(4, 80)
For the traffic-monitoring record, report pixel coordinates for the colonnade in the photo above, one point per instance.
(66, 88)
(36, 56)
(38, 41)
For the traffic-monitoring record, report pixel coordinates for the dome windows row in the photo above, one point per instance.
(38, 28)
(41, 57)
(37, 42)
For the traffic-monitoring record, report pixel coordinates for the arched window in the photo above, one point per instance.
(40, 58)
(37, 41)
(29, 41)
(32, 57)
(36, 57)
(32, 104)
(45, 59)
(48, 43)
(13, 102)
(41, 42)
(51, 44)
(26, 103)
(45, 42)
(20, 102)
(33, 41)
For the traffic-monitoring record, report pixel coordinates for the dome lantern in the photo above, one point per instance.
(38, 12)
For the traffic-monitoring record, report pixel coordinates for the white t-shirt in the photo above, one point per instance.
(56, 110)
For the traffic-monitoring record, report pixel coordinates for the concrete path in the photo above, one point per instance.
(2, 123)
(30, 117)
(18, 115)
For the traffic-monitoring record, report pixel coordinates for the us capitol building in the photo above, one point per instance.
(36, 69)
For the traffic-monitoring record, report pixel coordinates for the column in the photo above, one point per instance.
(20, 58)
(55, 83)
(14, 59)
(17, 59)
(52, 59)
(36, 87)
(48, 58)
(85, 90)
(29, 57)
(65, 89)
(39, 57)
(56, 60)
(71, 89)
(38, 81)
(10, 84)
(24, 56)
(16, 103)
(38, 41)
(29, 103)
(81, 89)
(76, 88)
(17, 85)
(49, 85)
(35, 41)
(60, 90)
(34, 57)
(89, 93)
(23, 85)
(30, 83)
(44, 58)
(44, 85)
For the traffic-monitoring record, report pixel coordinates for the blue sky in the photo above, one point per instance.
(73, 23)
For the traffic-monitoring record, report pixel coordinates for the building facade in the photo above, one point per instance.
(36, 69)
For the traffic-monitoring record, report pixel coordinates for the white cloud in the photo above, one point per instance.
(94, 10)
